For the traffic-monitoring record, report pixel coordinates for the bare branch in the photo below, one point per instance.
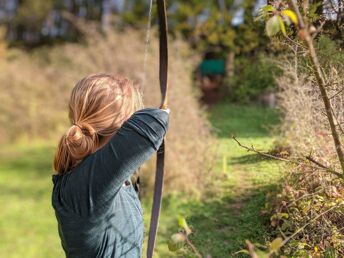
(298, 163)
(316, 33)
(337, 93)
(194, 249)
(250, 248)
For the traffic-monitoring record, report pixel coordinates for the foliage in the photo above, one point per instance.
(135, 13)
(330, 53)
(32, 14)
(178, 240)
(276, 19)
(208, 24)
(251, 78)
(306, 194)
(308, 212)
(306, 131)
(204, 24)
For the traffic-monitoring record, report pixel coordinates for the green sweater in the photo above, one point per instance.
(98, 214)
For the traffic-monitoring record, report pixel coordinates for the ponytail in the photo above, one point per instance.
(98, 107)
(78, 142)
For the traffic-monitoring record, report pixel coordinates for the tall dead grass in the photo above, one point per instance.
(305, 123)
(35, 88)
(311, 199)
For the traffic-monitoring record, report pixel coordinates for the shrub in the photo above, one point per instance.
(35, 89)
(252, 77)
(312, 200)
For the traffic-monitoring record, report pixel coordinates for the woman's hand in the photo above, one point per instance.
(167, 110)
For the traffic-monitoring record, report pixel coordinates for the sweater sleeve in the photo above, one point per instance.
(100, 176)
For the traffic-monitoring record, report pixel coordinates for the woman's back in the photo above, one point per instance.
(97, 208)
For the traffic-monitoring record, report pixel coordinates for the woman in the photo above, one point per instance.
(97, 209)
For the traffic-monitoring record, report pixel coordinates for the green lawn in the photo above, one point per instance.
(220, 224)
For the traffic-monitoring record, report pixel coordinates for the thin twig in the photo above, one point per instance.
(316, 33)
(281, 232)
(194, 249)
(337, 93)
(262, 153)
(287, 160)
(302, 197)
(311, 159)
(250, 248)
(337, 121)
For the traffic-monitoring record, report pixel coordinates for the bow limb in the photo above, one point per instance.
(163, 52)
(159, 175)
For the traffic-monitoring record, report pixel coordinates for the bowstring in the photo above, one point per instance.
(147, 45)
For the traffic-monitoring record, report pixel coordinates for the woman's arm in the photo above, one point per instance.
(132, 145)
(103, 173)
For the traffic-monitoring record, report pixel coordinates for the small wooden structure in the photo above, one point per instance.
(210, 74)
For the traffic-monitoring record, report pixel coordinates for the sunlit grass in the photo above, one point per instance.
(221, 222)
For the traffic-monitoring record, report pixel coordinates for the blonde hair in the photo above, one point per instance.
(98, 107)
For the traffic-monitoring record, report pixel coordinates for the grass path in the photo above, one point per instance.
(221, 223)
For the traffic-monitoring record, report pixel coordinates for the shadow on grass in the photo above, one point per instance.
(247, 159)
(23, 192)
(27, 173)
(221, 227)
(242, 121)
(29, 161)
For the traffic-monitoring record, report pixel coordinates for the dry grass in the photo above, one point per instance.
(305, 124)
(308, 192)
(35, 88)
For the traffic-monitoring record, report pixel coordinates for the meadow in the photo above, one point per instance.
(221, 220)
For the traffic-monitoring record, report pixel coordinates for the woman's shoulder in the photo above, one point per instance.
(151, 112)
(150, 116)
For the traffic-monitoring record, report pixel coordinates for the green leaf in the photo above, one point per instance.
(264, 12)
(272, 26)
(284, 215)
(262, 254)
(268, 8)
(242, 251)
(330, 252)
(282, 26)
(276, 245)
(291, 15)
(182, 223)
(174, 247)
(259, 18)
(176, 242)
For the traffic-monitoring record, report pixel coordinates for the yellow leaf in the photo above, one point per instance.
(282, 26)
(182, 223)
(291, 15)
(268, 8)
(276, 244)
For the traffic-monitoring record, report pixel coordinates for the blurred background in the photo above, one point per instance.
(226, 78)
